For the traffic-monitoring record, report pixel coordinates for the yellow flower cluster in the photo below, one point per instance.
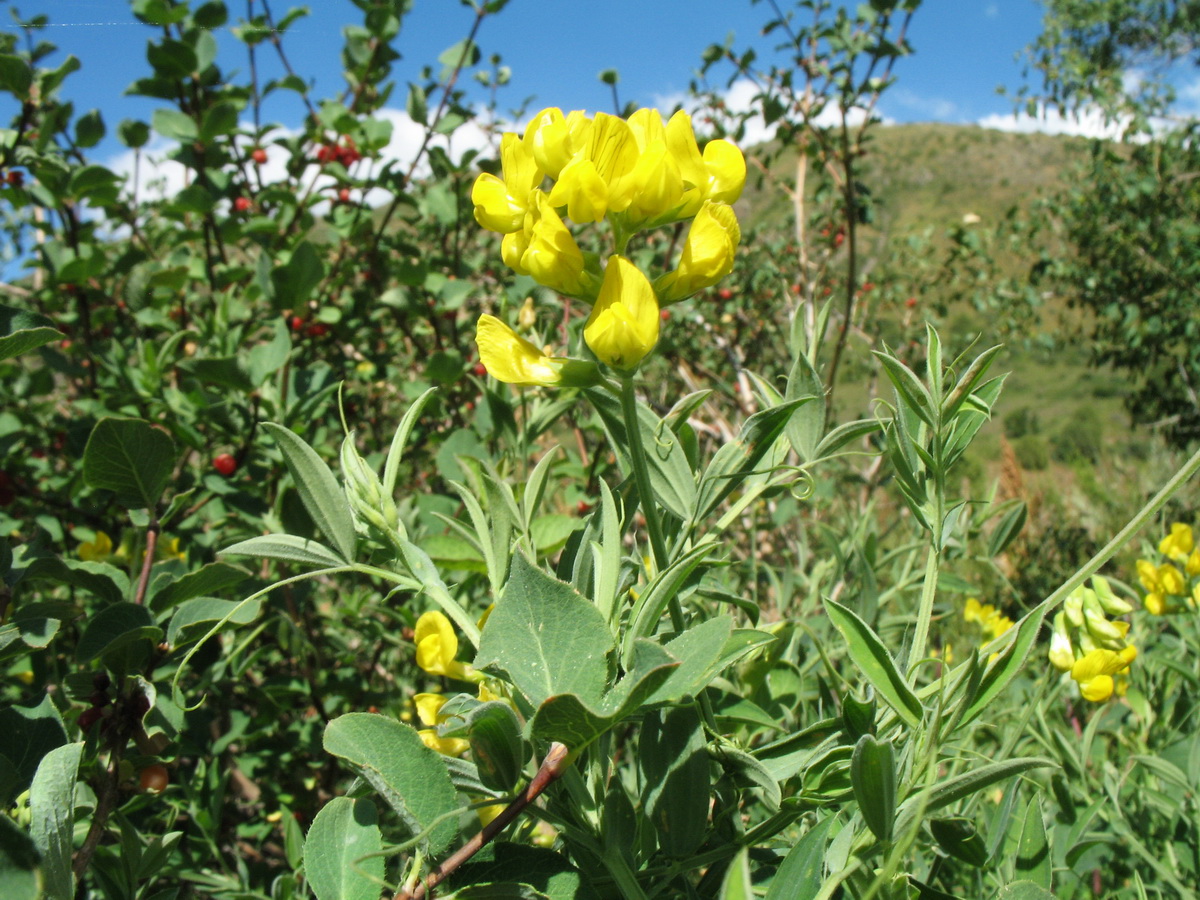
(993, 622)
(1090, 646)
(635, 174)
(1173, 584)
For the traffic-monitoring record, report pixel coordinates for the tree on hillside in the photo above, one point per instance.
(1129, 219)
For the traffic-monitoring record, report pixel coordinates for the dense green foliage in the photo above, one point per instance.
(297, 593)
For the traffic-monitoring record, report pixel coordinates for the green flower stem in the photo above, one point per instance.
(925, 610)
(641, 475)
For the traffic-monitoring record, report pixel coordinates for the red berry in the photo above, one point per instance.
(296, 323)
(838, 239)
(868, 286)
(15, 178)
(318, 329)
(664, 314)
(725, 293)
(583, 507)
(480, 369)
(259, 156)
(910, 302)
(241, 204)
(154, 779)
(344, 195)
(225, 464)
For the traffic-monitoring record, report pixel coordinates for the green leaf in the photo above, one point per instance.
(876, 664)
(736, 460)
(206, 610)
(1004, 668)
(27, 734)
(89, 129)
(748, 771)
(701, 650)
(949, 790)
(911, 392)
(802, 872)
(22, 331)
(338, 860)
(676, 789)
(494, 732)
(1007, 529)
(537, 625)
(1033, 860)
(131, 458)
(577, 720)
(287, 547)
(873, 777)
(209, 579)
(959, 837)
(133, 133)
(52, 806)
(16, 75)
(19, 876)
(547, 872)
(296, 280)
(1024, 890)
(653, 601)
(115, 627)
(670, 475)
(409, 776)
(737, 884)
(806, 428)
(103, 581)
(174, 125)
(322, 497)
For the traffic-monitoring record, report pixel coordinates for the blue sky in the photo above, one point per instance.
(964, 49)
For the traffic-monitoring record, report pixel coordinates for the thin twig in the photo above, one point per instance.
(557, 762)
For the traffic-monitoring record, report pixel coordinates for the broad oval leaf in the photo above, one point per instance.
(410, 777)
(131, 458)
(341, 860)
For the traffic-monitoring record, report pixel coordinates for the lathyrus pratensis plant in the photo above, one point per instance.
(603, 719)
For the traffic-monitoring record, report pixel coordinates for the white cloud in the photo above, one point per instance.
(1091, 123)
(937, 108)
(992, 11)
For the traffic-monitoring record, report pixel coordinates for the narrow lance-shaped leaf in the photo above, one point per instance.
(876, 663)
(318, 489)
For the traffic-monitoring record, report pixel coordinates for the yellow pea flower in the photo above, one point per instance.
(652, 190)
(1062, 654)
(510, 358)
(584, 184)
(488, 813)
(99, 549)
(437, 645)
(708, 253)
(428, 709)
(501, 203)
(1193, 563)
(1178, 544)
(1170, 579)
(1147, 574)
(555, 139)
(551, 256)
(170, 550)
(1155, 604)
(717, 174)
(1094, 672)
(623, 326)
